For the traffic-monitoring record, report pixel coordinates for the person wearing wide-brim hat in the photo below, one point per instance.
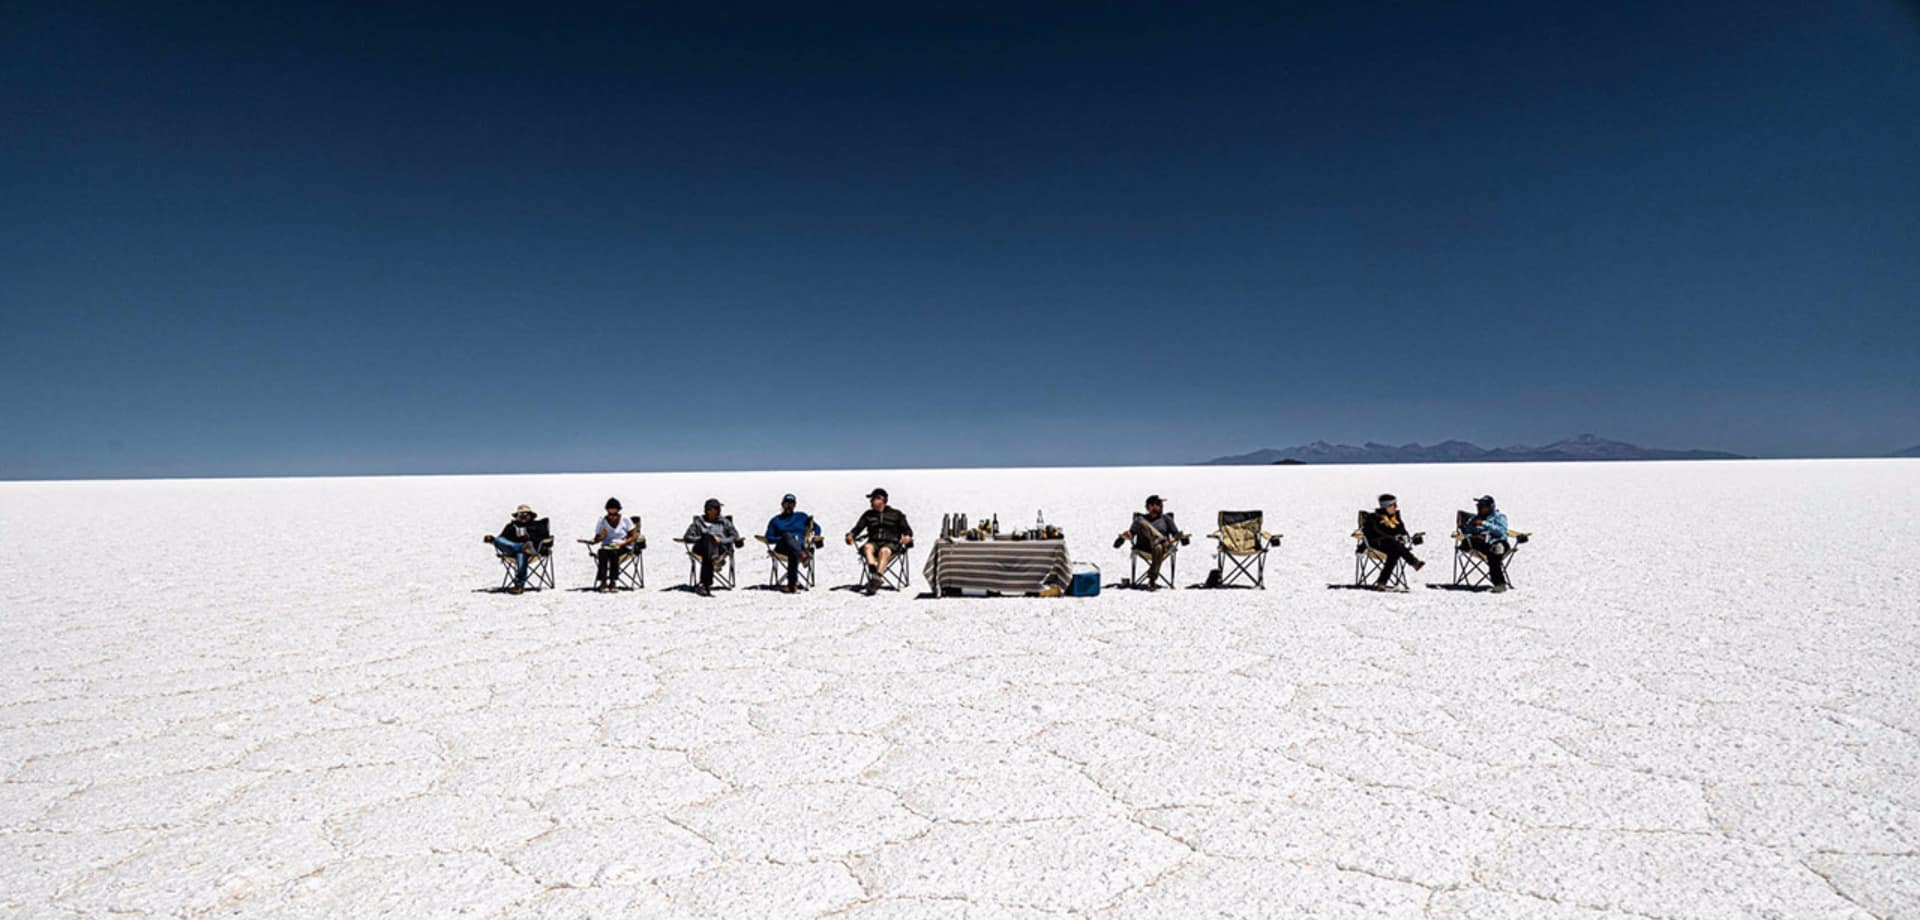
(521, 538)
(887, 532)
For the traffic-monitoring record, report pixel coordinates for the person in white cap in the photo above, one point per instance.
(518, 539)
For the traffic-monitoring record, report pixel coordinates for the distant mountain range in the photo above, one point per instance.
(1913, 451)
(1584, 447)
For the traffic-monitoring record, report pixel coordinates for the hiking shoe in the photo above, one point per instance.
(1417, 564)
(516, 589)
(703, 591)
(1499, 589)
(786, 589)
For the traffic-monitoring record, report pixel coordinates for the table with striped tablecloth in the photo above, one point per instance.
(1004, 566)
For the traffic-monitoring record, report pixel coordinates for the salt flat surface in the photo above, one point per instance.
(286, 698)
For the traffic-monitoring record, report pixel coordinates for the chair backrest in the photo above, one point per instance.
(1240, 532)
(540, 530)
(1460, 519)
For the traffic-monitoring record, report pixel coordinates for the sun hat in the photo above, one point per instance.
(523, 509)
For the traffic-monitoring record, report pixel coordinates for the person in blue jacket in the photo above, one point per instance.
(790, 533)
(1486, 531)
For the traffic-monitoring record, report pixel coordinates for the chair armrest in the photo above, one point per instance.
(763, 538)
(1214, 536)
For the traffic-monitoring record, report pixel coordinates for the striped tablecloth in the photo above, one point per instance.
(1005, 566)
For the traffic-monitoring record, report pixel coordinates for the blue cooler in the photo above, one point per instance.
(1085, 584)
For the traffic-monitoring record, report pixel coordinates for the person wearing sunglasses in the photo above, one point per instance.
(520, 538)
(1386, 534)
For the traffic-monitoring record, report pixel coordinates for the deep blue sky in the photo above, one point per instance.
(264, 238)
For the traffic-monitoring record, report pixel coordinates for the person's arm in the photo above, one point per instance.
(773, 533)
(866, 517)
(732, 532)
(693, 532)
(906, 530)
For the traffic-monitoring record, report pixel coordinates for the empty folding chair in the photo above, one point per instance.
(1240, 552)
(539, 557)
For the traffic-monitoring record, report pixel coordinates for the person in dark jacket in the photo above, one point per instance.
(791, 534)
(887, 533)
(1385, 533)
(521, 538)
(1153, 534)
(711, 537)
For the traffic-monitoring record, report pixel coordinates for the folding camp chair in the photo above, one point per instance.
(1169, 568)
(1367, 560)
(1241, 550)
(723, 568)
(632, 573)
(777, 561)
(1470, 563)
(539, 558)
(898, 574)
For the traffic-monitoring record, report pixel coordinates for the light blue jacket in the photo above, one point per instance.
(1494, 528)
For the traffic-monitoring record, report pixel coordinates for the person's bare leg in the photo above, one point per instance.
(867, 552)
(886, 555)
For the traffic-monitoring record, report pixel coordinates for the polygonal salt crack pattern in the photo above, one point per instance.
(293, 733)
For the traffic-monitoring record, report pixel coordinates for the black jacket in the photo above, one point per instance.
(535, 531)
(1379, 532)
(885, 526)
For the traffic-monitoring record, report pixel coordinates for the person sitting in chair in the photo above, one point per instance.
(711, 537)
(613, 535)
(1486, 533)
(1153, 535)
(791, 534)
(520, 540)
(888, 533)
(1387, 535)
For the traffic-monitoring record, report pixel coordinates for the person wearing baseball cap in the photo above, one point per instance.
(1486, 532)
(1154, 535)
(522, 538)
(887, 535)
(791, 535)
(711, 537)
